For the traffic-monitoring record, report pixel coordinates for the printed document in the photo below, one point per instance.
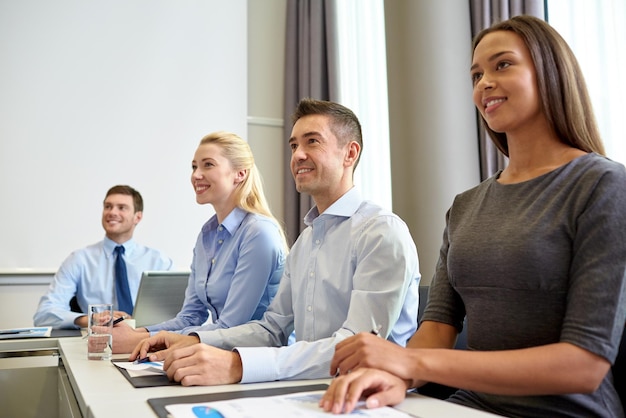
(297, 405)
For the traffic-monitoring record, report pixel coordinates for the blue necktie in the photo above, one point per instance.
(124, 300)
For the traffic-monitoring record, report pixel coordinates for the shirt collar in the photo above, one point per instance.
(109, 245)
(234, 220)
(345, 206)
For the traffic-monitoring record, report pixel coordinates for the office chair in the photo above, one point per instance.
(74, 305)
(461, 339)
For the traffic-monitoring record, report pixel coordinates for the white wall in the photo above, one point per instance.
(19, 298)
(102, 93)
(265, 72)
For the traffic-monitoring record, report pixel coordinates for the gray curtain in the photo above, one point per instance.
(484, 13)
(309, 72)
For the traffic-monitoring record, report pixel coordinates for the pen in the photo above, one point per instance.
(118, 320)
(376, 330)
(141, 360)
(28, 331)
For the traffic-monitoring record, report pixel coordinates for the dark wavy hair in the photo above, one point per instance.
(562, 89)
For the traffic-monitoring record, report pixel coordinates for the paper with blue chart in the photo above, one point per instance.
(149, 368)
(297, 405)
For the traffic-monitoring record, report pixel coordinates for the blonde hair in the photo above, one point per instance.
(249, 194)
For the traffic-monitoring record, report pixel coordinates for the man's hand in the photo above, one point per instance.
(378, 387)
(202, 364)
(81, 321)
(125, 338)
(121, 314)
(162, 343)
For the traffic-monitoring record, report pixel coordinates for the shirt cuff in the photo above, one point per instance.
(68, 321)
(258, 364)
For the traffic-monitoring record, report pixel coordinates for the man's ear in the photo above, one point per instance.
(138, 216)
(354, 149)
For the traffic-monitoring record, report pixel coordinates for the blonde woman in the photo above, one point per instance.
(239, 255)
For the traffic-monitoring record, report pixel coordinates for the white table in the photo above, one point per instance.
(102, 391)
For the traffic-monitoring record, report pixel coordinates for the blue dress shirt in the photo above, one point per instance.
(354, 268)
(89, 274)
(236, 269)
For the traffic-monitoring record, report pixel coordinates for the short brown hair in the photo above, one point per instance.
(344, 123)
(129, 191)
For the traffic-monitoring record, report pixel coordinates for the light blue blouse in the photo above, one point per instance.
(235, 272)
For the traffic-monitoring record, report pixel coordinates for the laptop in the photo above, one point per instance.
(160, 297)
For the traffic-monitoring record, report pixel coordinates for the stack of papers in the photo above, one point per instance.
(149, 368)
(36, 332)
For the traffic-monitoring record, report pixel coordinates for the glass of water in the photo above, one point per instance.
(100, 329)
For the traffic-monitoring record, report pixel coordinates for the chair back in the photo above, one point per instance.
(74, 305)
(461, 339)
(423, 293)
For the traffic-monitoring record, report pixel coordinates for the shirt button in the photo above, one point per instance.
(220, 228)
(317, 241)
(311, 274)
(220, 241)
(309, 308)
(212, 261)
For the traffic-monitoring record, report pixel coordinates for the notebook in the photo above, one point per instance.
(161, 295)
(35, 332)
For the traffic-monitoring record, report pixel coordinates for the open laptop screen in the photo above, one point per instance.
(160, 297)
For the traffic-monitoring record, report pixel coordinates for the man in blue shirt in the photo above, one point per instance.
(354, 269)
(89, 273)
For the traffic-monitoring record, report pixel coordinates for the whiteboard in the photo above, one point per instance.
(98, 93)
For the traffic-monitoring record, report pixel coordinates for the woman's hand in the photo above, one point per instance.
(379, 388)
(367, 350)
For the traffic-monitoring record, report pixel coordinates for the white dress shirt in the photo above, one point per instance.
(354, 268)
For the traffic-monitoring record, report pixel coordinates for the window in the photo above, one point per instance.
(596, 32)
(363, 88)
